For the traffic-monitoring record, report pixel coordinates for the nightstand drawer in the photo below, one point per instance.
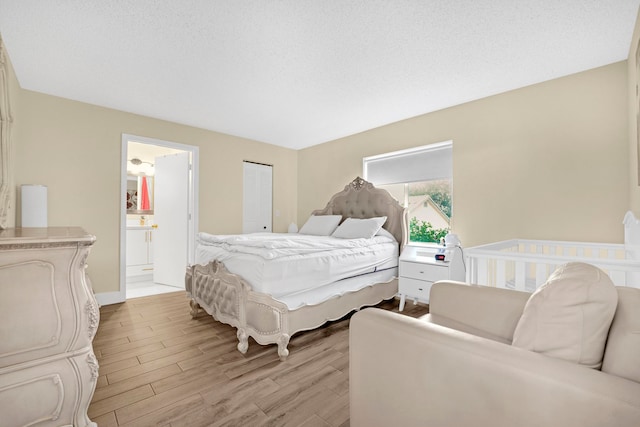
(422, 271)
(414, 288)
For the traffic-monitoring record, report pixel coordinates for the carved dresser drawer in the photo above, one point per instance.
(48, 318)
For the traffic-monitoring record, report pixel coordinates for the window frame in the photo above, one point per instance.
(421, 151)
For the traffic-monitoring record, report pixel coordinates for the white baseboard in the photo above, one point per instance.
(140, 278)
(108, 298)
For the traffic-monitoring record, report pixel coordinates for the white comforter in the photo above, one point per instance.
(282, 264)
(276, 245)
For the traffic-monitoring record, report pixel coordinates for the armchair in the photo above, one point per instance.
(456, 367)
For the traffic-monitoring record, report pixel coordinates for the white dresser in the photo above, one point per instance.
(48, 318)
(419, 270)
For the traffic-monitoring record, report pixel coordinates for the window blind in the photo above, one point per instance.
(426, 163)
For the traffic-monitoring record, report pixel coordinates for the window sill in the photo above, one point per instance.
(425, 245)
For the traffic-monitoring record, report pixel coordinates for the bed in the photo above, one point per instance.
(523, 264)
(271, 285)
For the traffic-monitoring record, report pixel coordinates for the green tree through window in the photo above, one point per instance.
(439, 192)
(423, 231)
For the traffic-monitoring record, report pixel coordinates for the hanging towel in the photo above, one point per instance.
(144, 199)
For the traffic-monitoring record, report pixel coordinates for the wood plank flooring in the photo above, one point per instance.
(160, 367)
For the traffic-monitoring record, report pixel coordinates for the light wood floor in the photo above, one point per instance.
(158, 366)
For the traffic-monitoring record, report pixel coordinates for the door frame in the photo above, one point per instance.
(193, 200)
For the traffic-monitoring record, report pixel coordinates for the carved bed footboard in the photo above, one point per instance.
(229, 299)
(219, 293)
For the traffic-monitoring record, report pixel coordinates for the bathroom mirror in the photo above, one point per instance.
(140, 195)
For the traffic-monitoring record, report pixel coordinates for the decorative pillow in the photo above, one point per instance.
(569, 316)
(355, 228)
(321, 225)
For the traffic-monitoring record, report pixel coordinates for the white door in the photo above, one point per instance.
(256, 198)
(171, 215)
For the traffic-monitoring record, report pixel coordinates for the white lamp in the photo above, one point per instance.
(452, 240)
(34, 205)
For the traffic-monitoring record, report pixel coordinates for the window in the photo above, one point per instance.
(421, 180)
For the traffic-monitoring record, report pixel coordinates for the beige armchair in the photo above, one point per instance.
(457, 367)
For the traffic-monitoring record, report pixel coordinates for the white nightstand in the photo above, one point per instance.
(419, 270)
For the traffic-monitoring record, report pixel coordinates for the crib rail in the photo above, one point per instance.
(526, 264)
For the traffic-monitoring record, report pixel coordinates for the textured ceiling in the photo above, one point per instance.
(299, 72)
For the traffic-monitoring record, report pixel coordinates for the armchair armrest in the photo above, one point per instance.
(405, 371)
(480, 310)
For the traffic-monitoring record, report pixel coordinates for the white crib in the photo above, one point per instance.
(526, 264)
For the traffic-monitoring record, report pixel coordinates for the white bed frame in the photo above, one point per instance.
(229, 298)
(526, 264)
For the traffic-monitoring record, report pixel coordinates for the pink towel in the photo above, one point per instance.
(144, 199)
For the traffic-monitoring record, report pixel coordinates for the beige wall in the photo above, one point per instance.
(74, 149)
(548, 161)
(634, 121)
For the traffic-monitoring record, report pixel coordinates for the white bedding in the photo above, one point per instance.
(286, 264)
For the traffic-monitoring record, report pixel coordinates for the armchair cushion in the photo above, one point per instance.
(479, 310)
(622, 355)
(569, 316)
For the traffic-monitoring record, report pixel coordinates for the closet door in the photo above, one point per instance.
(256, 198)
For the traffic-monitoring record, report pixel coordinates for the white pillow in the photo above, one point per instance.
(321, 225)
(355, 228)
(569, 316)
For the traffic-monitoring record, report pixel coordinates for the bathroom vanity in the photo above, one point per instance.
(139, 253)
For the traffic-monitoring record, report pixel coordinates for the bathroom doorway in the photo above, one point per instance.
(158, 220)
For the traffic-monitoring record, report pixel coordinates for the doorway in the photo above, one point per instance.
(158, 215)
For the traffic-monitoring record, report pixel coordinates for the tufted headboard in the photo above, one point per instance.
(360, 199)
